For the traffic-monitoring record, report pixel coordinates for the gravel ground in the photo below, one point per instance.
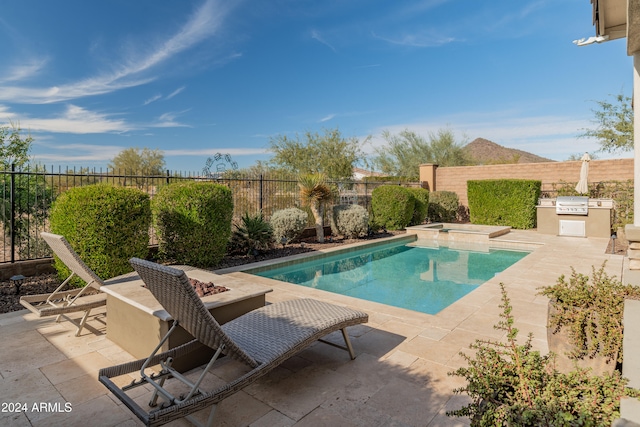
(9, 299)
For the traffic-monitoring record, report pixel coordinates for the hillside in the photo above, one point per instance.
(485, 152)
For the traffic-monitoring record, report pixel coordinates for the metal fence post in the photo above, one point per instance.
(12, 196)
(168, 176)
(366, 195)
(260, 192)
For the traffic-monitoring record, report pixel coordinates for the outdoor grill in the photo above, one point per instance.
(572, 205)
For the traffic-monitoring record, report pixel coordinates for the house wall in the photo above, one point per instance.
(455, 178)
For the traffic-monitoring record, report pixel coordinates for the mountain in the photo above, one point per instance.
(484, 152)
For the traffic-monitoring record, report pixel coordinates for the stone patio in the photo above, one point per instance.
(398, 379)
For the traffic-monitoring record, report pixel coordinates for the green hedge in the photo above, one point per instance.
(510, 202)
(105, 225)
(443, 206)
(421, 205)
(392, 206)
(193, 222)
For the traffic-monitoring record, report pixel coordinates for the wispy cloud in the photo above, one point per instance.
(317, 36)
(520, 17)
(6, 115)
(327, 118)
(204, 22)
(23, 71)
(167, 120)
(419, 39)
(77, 120)
(367, 66)
(73, 119)
(159, 96)
(152, 99)
(175, 92)
(77, 153)
(417, 7)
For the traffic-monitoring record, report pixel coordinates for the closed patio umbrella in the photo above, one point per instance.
(583, 185)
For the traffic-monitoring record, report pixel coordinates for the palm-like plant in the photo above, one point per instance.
(252, 234)
(316, 191)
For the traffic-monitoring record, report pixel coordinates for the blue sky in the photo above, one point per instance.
(196, 77)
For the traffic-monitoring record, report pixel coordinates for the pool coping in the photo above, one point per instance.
(323, 253)
(493, 243)
(248, 271)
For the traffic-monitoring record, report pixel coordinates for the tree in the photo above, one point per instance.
(330, 154)
(31, 198)
(143, 163)
(615, 125)
(578, 156)
(13, 148)
(445, 151)
(316, 191)
(405, 152)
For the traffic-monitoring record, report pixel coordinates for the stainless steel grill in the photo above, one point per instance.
(572, 205)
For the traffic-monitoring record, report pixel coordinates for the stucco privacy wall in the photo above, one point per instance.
(455, 178)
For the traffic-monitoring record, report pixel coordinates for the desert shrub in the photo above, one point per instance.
(288, 224)
(510, 202)
(592, 310)
(421, 204)
(251, 235)
(350, 221)
(106, 225)
(392, 207)
(443, 206)
(510, 384)
(193, 222)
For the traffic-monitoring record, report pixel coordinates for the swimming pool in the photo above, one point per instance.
(424, 279)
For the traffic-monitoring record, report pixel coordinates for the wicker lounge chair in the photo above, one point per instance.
(60, 303)
(261, 339)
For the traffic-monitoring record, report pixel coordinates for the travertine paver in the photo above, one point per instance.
(399, 378)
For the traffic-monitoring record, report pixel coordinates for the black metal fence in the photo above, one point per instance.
(27, 195)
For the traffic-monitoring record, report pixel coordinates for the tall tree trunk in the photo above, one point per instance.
(316, 211)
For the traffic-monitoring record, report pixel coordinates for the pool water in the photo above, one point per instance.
(417, 278)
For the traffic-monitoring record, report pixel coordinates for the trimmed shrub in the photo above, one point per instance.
(392, 206)
(350, 221)
(193, 222)
(510, 202)
(421, 205)
(105, 225)
(443, 206)
(288, 224)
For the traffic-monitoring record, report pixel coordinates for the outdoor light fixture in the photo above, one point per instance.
(614, 236)
(17, 281)
(590, 40)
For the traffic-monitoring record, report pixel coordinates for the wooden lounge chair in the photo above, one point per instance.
(260, 339)
(60, 303)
